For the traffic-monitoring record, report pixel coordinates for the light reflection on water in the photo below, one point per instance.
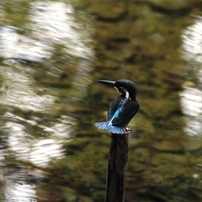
(17, 186)
(20, 191)
(191, 100)
(191, 97)
(17, 90)
(40, 152)
(51, 23)
(192, 39)
(18, 46)
(57, 21)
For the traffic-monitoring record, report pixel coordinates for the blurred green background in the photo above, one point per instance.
(51, 55)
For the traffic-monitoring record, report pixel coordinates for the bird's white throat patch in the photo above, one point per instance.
(127, 94)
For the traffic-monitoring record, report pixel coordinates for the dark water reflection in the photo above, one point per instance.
(52, 53)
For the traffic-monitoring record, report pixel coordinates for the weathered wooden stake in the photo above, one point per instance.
(117, 168)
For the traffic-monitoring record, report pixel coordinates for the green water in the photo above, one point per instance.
(53, 53)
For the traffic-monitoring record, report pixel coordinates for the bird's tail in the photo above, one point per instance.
(110, 128)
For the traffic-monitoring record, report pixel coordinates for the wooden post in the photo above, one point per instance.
(117, 168)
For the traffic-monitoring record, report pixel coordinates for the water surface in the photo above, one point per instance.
(53, 53)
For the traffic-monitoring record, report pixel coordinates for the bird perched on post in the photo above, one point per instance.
(122, 109)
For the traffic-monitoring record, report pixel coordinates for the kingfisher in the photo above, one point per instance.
(122, 109)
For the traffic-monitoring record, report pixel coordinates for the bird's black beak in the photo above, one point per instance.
(107, 82)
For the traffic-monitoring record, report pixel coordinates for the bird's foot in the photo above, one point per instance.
(127, 130)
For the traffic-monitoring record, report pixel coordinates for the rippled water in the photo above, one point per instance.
(192, 96)
(52, 54)
(33, 130)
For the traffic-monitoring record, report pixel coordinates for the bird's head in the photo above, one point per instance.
(124, 86)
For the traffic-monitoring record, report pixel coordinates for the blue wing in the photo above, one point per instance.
(113, 107)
